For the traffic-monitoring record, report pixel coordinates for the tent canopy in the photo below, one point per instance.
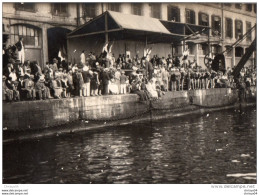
(121, 26)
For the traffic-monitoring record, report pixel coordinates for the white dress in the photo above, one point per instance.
(151, 88)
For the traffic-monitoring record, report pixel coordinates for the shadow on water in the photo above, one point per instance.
(213, 148)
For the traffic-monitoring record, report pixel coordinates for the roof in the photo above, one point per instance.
(135, 22)
(117, 21)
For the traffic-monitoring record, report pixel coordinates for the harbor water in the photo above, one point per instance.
(216, 147)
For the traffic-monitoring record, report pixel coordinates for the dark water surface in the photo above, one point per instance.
(218, 147)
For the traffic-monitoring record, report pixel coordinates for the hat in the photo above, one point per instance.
(85, 68)
(42, 79)
(60, 69)
(122, 72)
(96, 63)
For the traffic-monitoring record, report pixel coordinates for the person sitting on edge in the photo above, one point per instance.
(57, 87)
(40, 88)
(7, 92)
(29, 87)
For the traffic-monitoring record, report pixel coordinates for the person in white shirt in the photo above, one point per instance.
(21, 52)
(13, 75)
(82, 57)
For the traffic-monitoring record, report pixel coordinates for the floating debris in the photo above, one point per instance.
(62, 168)
(86, 121)
(245, 155)
(104, 123)
(207, 115)
(250, 178)
(225, 132)
(235, 161)
(242, 175)
(79, 155)
(5, 128)
(76, 167)
(216, 118)
(219, 149)
(102, 171)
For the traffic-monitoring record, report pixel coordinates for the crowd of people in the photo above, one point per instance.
(150, 78)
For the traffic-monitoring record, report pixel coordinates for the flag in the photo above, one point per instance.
(147, 52)
(105, 48)
(60, 55)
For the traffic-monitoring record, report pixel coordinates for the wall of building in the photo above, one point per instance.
(43, 18)
(47, 113)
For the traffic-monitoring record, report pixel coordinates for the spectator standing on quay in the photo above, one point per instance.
(21, 51)
(87, 75)
(82, 57)
(105, 81)
(123, 83)
(94, 84)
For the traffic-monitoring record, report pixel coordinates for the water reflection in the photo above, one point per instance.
(213, 148)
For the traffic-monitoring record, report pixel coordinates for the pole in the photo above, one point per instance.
(106, 28)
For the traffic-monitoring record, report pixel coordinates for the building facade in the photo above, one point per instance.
(45, 25)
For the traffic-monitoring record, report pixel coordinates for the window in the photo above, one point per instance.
(190, 16)
(30, 7)
(31, 36)
(136, 8)
(216, 25)
(89, 10)
(59, 8)
(248, 27)
(173, 13)
(227, 4)
(254, 8)
(238, 5)
(203, 19)
(229, 28)
(114, 7)
(238, 28)
(249, 7)
(155, 10)
(239, 51)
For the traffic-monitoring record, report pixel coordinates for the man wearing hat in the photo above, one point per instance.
(87, 75)
(123, 82)
(40, 88)
(29, 87)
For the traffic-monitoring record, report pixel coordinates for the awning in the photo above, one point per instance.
(126, 26)
(184, 28)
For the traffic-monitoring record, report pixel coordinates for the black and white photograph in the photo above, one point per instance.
(129, 93)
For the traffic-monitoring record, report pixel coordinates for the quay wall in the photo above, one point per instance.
(48, 113)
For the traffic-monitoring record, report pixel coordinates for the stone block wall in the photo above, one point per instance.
(46, 113)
